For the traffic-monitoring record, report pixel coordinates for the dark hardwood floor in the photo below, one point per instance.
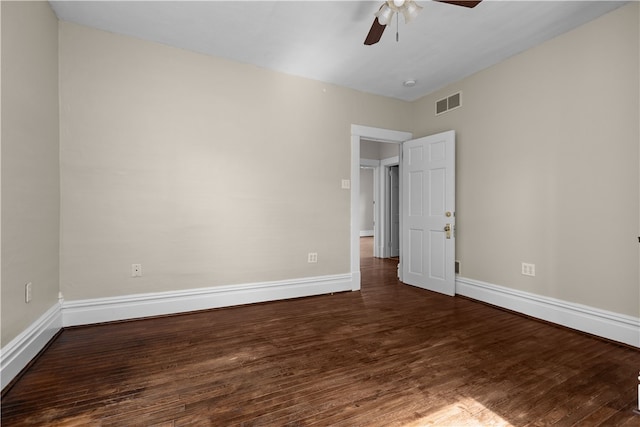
(389, 355)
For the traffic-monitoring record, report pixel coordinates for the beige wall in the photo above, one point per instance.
(30, 171)
(547, 166)
(370, 150)
(388, 150)
(378, 150)
(205, 171)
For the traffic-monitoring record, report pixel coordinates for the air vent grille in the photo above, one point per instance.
(449, 103)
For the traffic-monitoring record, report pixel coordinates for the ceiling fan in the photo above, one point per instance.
(409, 10)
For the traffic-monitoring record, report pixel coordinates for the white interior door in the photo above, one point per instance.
(394, 211)
(428, 212)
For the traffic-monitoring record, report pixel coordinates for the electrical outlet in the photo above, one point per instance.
(528, 269)
(346, 184)
(27, 292)
(312, 257)
(136, 270)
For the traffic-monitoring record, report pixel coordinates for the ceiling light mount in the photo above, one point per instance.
(409, 83)
(409, 10)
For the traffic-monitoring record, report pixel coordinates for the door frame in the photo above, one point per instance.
(385, 204)
(375, 165)
(388, 229)
(358, 133)
(382, 202)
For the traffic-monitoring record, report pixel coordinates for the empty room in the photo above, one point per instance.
(328, 213)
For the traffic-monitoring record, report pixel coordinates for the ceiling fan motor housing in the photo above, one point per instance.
(409, 9)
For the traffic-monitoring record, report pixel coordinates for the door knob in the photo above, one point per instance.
(447, 229)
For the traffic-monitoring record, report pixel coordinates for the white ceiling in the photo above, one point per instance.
(323, 40)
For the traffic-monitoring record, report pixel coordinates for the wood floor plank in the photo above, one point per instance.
(389, 355)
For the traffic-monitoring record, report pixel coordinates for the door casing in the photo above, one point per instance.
(358, 133)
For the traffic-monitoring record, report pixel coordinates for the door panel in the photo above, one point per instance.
(428, 197)
(437, 262)
(437, 182)
(416, 193)
(416, 245)
(394, 186)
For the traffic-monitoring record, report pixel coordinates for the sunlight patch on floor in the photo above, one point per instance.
(465, 412)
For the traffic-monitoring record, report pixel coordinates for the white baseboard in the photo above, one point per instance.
(17, 354)
(84, 312)
(605, 324)
(356, 280)
(366, 233)
(383, 251)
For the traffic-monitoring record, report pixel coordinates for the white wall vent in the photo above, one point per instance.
(449, 103)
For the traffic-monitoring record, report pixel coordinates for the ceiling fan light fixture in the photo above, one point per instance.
(410, 11)
(409, 8)
(384, 15)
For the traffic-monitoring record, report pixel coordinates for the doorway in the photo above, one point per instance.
(359, 133)
(379, 197)
(427, 207)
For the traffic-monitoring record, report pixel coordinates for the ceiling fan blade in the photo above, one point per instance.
(375, 33)
(464, 3)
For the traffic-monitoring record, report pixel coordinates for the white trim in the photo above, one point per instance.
(83, 312)
(355, 210)
(379, 134)
(369, 163)
(605, 324)
(366, 233)
(372, 134)
(390, 161)
(17, 354)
